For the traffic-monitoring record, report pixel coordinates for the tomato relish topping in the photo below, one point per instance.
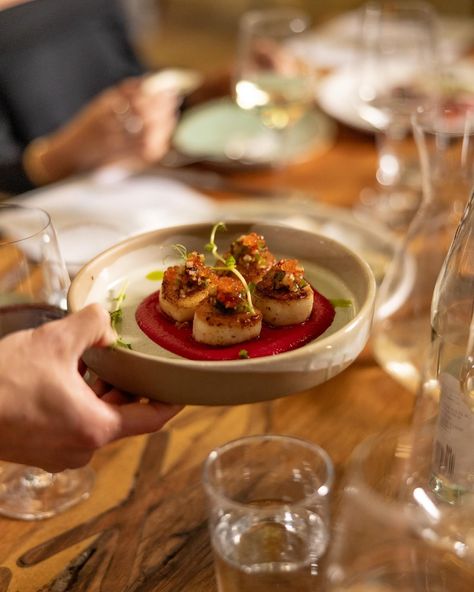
(228, 295)
(287, 275)
(251, 255)
(191, 277)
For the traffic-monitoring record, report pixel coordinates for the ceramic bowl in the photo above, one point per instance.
(151, 371)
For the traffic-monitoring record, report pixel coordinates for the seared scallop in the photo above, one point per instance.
(185, 286)
(283, 295)
(252, 256)
(226, 317)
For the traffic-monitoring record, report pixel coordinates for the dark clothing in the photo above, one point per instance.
(55, 56)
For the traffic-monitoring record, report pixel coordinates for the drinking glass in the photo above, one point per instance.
(402, 325)
(33, 288)
(271, 75)
(392, 533)
(268, 503)
(397, 75)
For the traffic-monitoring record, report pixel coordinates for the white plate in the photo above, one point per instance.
(336, 43)
(223, 134)
(336, 95)
(370, 240)
(150, 370)
(337, 92)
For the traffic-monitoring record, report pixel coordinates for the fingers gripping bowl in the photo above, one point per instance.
(147, 369)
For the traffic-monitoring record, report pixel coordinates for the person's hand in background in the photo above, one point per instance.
(125, 125)
(49, 416)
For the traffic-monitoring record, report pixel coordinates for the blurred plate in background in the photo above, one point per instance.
(221, 133)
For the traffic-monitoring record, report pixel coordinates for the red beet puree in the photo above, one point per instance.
(178, 338)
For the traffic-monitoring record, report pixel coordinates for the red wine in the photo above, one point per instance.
(16, 317)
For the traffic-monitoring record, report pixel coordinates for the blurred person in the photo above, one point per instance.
(72, 97)
(49, 416)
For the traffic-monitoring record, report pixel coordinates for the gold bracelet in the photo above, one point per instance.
(33, 162)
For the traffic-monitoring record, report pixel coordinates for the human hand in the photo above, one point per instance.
(49, 416)
(126, 124)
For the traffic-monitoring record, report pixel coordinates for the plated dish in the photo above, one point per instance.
(148, 369)
(221, 133)
(336, 95)
(337, 92)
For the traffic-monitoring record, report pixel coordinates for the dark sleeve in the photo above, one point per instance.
(13, 179)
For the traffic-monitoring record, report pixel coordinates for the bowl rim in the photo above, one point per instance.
(319, 344)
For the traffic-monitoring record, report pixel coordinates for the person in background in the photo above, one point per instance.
(73, 96)
(49, 416)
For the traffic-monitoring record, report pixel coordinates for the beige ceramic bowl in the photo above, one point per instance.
(151, 371)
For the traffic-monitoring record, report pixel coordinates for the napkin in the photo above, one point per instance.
(93, 212)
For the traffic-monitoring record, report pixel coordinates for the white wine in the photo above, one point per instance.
(270, 555)
(280, 101)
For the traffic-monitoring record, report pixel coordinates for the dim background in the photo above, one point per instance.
(202, 33)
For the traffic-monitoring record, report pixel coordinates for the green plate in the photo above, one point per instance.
(220, 132)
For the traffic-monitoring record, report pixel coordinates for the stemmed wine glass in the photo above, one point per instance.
(397, 75)
(33, 289)
(272, 77)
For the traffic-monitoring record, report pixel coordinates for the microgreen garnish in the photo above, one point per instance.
(181, 250)
(341, 303)
(244, 354)
(116, 316)
(229, 263)
(120, 342)
(155, 276)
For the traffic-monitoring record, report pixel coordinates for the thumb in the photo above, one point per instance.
(87, 328)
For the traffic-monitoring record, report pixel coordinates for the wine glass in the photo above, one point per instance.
(33, 289)
(398, 74)
(272, 77)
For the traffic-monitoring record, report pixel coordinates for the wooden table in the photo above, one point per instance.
(144, 527)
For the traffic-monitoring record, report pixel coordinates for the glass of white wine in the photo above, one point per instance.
(272, 77)
(269, 518)
(33, 289)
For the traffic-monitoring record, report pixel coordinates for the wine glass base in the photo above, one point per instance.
(394, 209)
(28, 493)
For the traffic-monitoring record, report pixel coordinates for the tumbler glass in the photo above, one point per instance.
(269, 519)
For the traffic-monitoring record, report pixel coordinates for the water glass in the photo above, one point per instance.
(269, 519)
(392, 533)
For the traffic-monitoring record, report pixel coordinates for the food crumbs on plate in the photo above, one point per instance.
(244, 354)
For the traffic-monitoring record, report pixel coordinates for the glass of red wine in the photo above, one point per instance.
(33, 288)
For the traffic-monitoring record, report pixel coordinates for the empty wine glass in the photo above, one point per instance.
(271, 75)
(398, 73)
(33, 289)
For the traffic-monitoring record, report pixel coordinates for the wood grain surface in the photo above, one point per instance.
(144, 528)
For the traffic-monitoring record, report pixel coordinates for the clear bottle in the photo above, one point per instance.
(401, 332)
(446, 396)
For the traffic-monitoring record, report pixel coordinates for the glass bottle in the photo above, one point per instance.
(448, 382)
(401, 332)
